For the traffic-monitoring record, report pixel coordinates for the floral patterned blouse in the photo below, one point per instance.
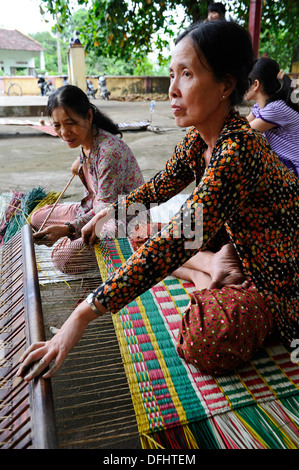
(245, 194)
(110, 170)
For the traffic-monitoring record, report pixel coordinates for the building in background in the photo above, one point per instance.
(18, 52)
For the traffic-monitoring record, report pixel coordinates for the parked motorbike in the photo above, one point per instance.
(104, 92)
(41, 82)
(46, 87)
(91, 91)
(49, 88)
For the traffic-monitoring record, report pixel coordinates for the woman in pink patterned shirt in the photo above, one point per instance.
(106, 167)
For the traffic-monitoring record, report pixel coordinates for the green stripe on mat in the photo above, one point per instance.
(264, 427)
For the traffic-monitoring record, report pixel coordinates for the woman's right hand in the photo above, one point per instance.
(52, 353)
(91, 231)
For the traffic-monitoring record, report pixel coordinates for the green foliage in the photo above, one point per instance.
(49, 43)
(280, 31)
(118, 35)
(100, 65)
(96, 63)
(279, 28)
(121, 28)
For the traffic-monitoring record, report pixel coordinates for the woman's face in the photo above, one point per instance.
(194, 93)
(213, 15)
(73, 128)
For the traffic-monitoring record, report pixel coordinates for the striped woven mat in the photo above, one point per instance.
(177, 406)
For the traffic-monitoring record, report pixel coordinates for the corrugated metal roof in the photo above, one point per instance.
(11, 39)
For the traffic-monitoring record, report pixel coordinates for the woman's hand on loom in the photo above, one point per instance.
(51, 234)
(52, 353)
(226, 269)
(91, 231)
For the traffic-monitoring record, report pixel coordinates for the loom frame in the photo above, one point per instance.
(40, 398)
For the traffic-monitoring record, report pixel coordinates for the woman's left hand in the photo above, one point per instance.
(51, 234)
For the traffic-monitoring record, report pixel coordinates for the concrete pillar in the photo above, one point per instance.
(42, 65)
(76, 66)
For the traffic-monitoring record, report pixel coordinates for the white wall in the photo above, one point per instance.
(23, 59)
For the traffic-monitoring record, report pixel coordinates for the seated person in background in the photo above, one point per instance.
(275, 113)
(216, 11)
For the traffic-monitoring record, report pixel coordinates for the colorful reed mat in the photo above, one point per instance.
(178, 407)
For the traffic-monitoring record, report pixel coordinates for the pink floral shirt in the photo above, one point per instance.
(110, 170)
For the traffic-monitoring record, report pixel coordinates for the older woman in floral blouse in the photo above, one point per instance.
(244, 196)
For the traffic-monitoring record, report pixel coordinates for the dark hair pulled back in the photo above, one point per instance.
(73, 98)
(227, 48)
(265, 70)
(217, 7)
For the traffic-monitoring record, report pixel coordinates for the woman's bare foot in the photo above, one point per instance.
(213, 270)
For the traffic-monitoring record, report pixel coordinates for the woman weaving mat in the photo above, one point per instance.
(106, 167)
(244, 196)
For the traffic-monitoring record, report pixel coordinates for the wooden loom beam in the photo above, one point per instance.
(43, 417)
(26, 409)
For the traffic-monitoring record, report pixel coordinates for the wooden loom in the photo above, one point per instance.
(87, 404)
(26, 410)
